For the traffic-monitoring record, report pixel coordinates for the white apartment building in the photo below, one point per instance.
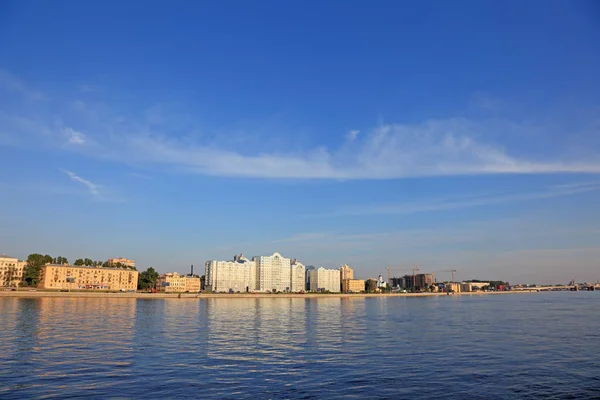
(297, 278)
(273, 273)
(238, 275)
(324, 280)
(11, 270)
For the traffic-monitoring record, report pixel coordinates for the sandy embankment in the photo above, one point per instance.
(24, 293)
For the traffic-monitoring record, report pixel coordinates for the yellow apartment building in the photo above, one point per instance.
(172, 282)
(11, 270)
(353, 285)
(73, 277)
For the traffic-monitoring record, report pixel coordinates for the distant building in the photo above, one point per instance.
(238, 275)
(398, 282)
(353, 285)
(65, 276)
(307, 281)
(273, 273)
(472, 286)
(371, 285)
(453, 287)
(172, 282)
(11, 270)
(122, 260)
(297, 277)
(346, 273)
(418, 281)
(324, 280)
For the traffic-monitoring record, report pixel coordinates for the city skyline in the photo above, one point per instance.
(369, 139)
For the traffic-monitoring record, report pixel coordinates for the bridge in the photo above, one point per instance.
(557, 288)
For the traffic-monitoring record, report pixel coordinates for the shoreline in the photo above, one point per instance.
(39, 294)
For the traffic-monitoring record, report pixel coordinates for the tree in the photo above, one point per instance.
(202, 282)
(61, 260)
(31, 272)
(147, 279)
(88, 262)
(78, 262)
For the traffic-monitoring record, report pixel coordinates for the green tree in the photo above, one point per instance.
(202, 282)
(78, 262)
(88, 262)
(147, 279)
(61, 260)
(31, 272)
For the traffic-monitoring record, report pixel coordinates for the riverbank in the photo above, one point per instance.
(37, 294)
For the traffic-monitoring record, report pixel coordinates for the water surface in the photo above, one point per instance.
(539, 345)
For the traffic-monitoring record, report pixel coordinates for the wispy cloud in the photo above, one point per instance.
(140, 176)
(438, 147)
(74, 137)
(13, 83)
(92, 187)
(352, 134)
(453, 204)
(435, 148)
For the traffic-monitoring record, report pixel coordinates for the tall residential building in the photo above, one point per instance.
(122, 260)
(238, 275)
(65, 276)
(324, 280)
(297, 277)
(307, 280)
(273, 273)
(346, 272)
(172, 282)
(11, 270)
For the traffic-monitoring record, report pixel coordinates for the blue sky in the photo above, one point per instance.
(452, 135)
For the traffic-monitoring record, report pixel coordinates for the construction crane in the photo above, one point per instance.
(452, 271)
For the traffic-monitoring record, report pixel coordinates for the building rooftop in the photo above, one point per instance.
(89, 267)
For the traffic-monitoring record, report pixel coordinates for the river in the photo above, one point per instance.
(538, 345)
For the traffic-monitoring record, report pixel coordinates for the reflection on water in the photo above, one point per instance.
(509, 346)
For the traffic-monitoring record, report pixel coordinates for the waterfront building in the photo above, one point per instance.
(65, 276)
(273, 273)
(353, 285)
(472, 286)
(418, 281)
(346, 273)
(452, 287)
(324, 280)
(307, 281)
(238, 275)
(399, 282)
(297, 277)
(172, 282)
(11, 270)
(371, 285)
(122, 260)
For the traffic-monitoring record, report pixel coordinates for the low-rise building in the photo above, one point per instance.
(324, 280)
(65, 276)
(472, 286)
(172, 282)
(353, 285)
(11, 270)
(371, 285)
(452, 287)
